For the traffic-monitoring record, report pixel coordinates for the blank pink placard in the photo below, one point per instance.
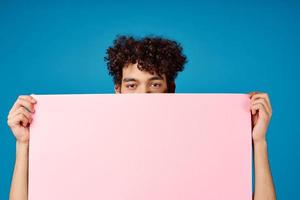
(141, 147)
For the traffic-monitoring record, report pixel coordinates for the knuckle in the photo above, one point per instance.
(23, 110)
(265, 101)
(24, 98)
(31, 105)
(10, 123)
(29, 98)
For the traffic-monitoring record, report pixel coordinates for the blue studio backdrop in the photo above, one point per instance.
(57, 47)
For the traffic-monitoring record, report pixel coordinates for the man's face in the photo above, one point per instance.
(137, 81)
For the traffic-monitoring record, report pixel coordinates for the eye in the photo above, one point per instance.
(131, 86)
(156, 85)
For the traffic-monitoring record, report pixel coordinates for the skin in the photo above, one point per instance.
(136, 81)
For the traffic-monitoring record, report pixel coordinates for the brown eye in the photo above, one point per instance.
(130, 86)
(156, 85)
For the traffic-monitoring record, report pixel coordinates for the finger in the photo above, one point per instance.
(33, 99)
(19, 119)
(259, 107)
(265, 104)
(250, 94)
(23, 111)
(28, 98)
(263, 96)
(27, 104)
(17, 103)
(22, 102)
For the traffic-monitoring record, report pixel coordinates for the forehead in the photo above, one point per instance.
(132, 71)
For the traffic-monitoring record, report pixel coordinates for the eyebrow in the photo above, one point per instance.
(151, 79)
(129, 79)
(156, 78)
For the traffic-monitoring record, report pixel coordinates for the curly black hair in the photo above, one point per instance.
(151, 53)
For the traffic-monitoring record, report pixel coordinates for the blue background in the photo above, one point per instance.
(58, 48)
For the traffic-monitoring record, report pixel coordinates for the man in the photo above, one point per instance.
(146, 65)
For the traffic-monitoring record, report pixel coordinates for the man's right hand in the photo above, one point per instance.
(20, 117)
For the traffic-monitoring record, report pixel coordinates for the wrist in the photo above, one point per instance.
(258, 139)
(22, 147)
(259, 144)
(21, 143)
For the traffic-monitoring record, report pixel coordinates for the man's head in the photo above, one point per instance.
(146, 65)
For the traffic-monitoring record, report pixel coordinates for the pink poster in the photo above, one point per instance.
(141, 147)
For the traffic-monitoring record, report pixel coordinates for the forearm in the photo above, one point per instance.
(19, 185)
(264, 186)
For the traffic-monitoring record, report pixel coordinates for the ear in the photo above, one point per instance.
(117, 88)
